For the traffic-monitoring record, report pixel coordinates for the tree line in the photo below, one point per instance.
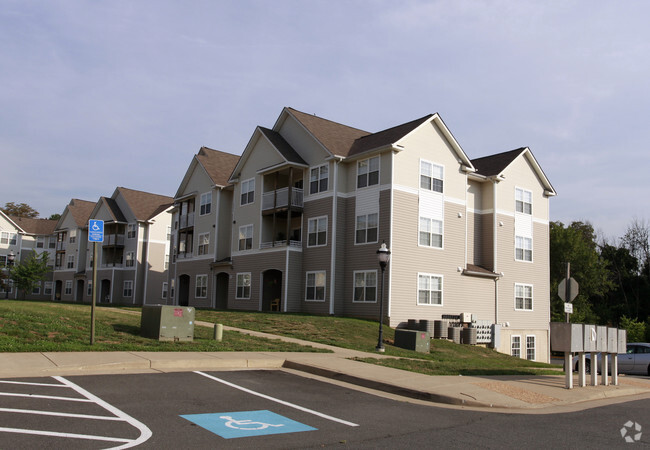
(614, 277)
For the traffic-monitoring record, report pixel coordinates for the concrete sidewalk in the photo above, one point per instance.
(515, 393)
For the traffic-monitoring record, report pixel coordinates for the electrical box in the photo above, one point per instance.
(167, 323)
(622, 341)
(413, 340)
(591, 337)
(466, 317)
(567, 337)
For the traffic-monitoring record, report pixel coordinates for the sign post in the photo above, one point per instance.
(95, 235)
(567, 290)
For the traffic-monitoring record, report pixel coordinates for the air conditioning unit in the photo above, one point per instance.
(466, 317)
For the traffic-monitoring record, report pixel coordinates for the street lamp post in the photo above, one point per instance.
(10, 262)
(383, 254)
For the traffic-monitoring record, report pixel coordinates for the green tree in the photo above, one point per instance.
(27, 274)
(576, 244)
(635, 330)
(19, 210)
(55, 216)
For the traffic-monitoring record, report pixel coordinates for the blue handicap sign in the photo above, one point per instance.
(231, 425)
(95, 230)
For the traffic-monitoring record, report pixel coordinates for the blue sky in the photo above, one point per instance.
(96, 95)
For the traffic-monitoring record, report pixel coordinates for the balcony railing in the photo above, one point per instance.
(187, 220)
(113, 239)
(280, 198)
(281, 244)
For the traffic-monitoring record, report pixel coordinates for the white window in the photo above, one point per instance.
(368, 172)
(429, 289)
(367, 228)
(318, 179)
(243, 285)
(317, 232)
(431, 176)
(164, 289)
(365, 286)
(130, 259)
(315, 286)
(89, 290)
(430, 232)
(523, 248)
(523, 201)
(204, 242)
(40, 242)
(171, 291)
(169, 233)
(73, 236)
(52, 242)
(524, 297)
(70, 262)
(47, 289)
(166, 261)
(8, 238)
(201, 290)
(130, 230)
(248, 191)
(246, 237)
(206, 203)
(530, 348)
(128, 289)
(515, 346)
(68, 287)
(36, 290)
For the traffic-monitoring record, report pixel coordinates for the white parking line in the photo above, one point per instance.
(282, 402)
(117, 415)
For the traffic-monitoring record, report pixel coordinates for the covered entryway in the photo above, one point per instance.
(58, 290)
(80, 291)
(221, 290)
(272, 290)
(105, 294)
(184, 290)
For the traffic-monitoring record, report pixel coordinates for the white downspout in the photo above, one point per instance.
(390, 235)
(213, 294)
(494, 250)
(146, 272)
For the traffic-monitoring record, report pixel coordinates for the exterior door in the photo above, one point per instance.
(184, 290)
(272, 290)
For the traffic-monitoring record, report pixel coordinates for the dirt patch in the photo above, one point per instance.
(518, 393)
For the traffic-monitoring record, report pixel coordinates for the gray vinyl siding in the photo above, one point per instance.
(293, 282)
(315, 258)
(342, 245)
(256, 263)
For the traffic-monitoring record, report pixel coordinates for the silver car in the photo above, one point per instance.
(636, 360)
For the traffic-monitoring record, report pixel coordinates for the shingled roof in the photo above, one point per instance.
(282, 146)
(495, 164)
(385, 137)
(219, 165)
(144, 205)
(40, 227)
(80, 211)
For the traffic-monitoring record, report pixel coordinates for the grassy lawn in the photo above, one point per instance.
(27, 326)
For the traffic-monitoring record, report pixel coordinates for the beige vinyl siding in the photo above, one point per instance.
(541, 342)
(296, 135)
(349, 175)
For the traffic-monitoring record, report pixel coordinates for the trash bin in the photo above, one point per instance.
(167, 323)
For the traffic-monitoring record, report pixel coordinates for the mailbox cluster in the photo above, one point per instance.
(582, 338)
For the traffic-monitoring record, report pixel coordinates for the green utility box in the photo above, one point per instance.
(419, 341)
(167, 323)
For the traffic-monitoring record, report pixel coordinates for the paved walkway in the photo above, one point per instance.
(515, 393)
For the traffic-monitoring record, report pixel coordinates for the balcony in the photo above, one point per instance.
(295, 244)
(279, 199)
(116, 240)
(186, 221)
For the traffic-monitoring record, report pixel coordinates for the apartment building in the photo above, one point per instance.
(70, 243)
(133, 257)
(23, 237)
(297, 224)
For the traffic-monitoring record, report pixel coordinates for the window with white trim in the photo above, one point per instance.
(315, 286)
(317, 232)
(73, 236)
(365, 286)
(130, 259)
(204, 243)
(243, 286)
(51, 242)
(36, 289)
(166, 263)
(523, 248)
(131, 230)
(247, 191)
(246, 237)
(47, 289)
(524, 297)
(8, 238)
(515, 346)
(430, 232)
(201, 290)
(169, 233)
(127, 291)
(89, 289)
(164, 289)
(206, 203)
(367, 228)
(429, 289)
(530, 348)
(368, 172)
(523, 201)
(40, 242)
(319, 179)
(70, 264)
(68, 287)
(431, 176)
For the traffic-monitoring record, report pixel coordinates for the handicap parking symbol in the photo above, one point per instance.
(231, 425)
